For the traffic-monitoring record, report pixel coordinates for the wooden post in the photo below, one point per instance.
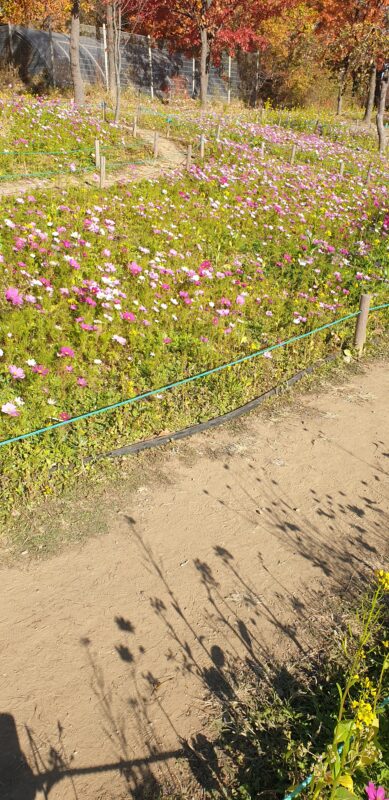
(263, 149)
(293, 154)
(202, 146)
(369, 173)
(341, 168)
(105, 57)
(103, 110)
(102, 172)
(97, 153)
(218, 133)
(279, 119)
(155, 149)
(189, 157)
(193, 77)
(360, 328)
(229, 81)
(151, 68)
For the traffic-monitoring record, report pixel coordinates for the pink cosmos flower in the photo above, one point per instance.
(134, 268)
(128, 315)
(240, 300)
(64, 416)
(17, 373)
(166, 340)
(119, 339)
(13, 296)
(82, 382)
(65, 352)
(375, 793)
(10, 409)
(40, 369)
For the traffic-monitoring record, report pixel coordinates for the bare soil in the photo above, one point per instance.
(115, 654)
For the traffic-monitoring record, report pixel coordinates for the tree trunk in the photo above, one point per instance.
(341, 89)
(111, 50)
(204, 66)
(117, 26)
(371, 94)
(339, 104)
(75, 69)
(383, 92)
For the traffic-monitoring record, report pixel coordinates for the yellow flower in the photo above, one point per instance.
(383, 579)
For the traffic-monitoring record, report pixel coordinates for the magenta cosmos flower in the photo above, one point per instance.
(66, 352)
(375, 793)
(13, 296)
(40, 369)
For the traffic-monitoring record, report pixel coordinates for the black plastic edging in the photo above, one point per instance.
(159, 441)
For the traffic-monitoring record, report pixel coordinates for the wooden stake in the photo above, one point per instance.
(135, 126)
(102, 172)
(189, 157)
(218, 133)
(263, 149)
(293, 154)
(155, 150)
(361, 326)
(202, 146)
(103, 110)
(97, 153)
(369, 173)
(341, 168)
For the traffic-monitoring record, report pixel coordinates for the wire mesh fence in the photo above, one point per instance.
(43, 57)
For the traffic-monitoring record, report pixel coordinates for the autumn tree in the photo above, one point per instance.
(205, 27)
(289, 64)
(353, 32)
(35, 12)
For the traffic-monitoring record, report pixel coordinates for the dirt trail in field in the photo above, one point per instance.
(114, 654)
(170, 156)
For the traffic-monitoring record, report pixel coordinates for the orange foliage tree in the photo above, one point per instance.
(354, 33)
(39, 13)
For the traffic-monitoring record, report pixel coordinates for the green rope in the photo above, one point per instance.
(45, 152)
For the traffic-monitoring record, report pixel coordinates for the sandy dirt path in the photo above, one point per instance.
(171, 155)
(114, 653)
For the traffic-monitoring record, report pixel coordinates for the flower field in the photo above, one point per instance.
(48, 138)
(106, 294)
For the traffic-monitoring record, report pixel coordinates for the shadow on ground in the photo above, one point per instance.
(256, 754)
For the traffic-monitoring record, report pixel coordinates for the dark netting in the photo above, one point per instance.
(43, 57)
